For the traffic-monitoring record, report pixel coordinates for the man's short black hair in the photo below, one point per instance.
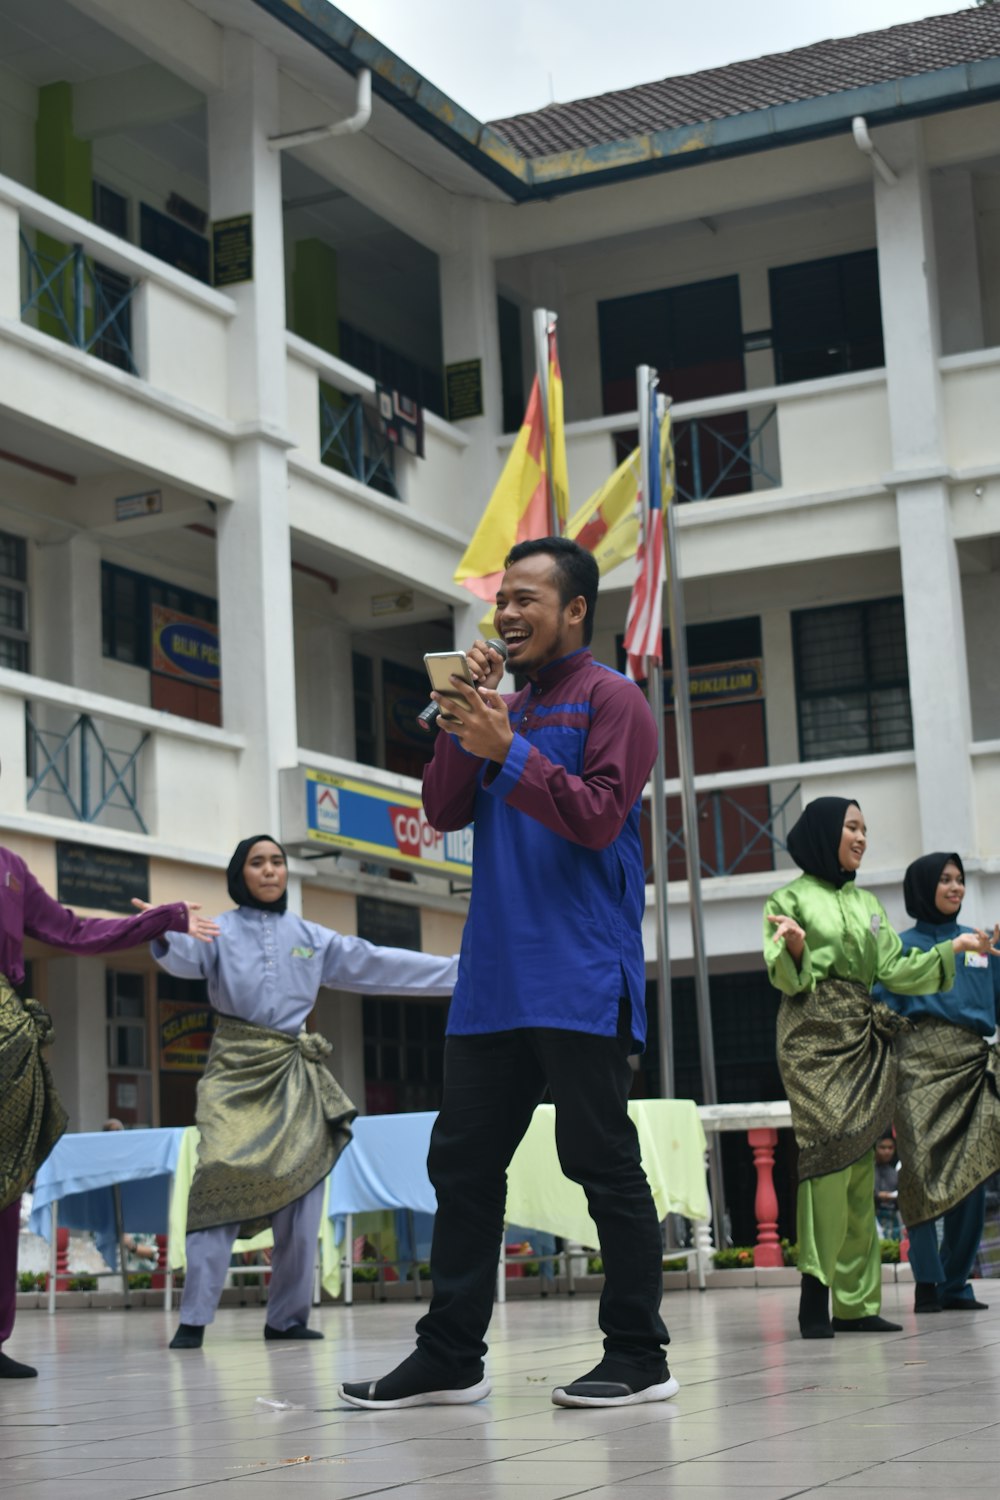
(575, 568)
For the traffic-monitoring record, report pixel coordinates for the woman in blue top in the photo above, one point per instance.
(947, 1108)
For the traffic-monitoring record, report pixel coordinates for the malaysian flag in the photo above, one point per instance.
(644, 624)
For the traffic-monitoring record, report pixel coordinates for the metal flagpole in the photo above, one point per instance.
(692, 845)
(541, 319)
(645, 380)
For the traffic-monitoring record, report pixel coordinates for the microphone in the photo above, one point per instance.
(428, 719)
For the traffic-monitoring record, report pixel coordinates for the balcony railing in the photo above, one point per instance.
(351, 439)
(726, 456)
(739, 831)
(75, 298)
(744, 816)
(81, 772)
(89, 759)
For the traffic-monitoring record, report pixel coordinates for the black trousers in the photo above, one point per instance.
(492, 1084)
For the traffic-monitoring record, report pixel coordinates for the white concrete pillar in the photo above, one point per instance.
(959, 281)
(338, 1017)
(932, 591)
(908, 288)
(75, 994)
(469, 331)
(254, 560)
(324, 685)
(67, 578)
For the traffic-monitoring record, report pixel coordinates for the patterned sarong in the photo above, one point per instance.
(273, 1120)
(31, 1117)
(836, 1062)
(947, 1117)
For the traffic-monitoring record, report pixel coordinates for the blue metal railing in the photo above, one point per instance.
(79, 768)
(76, 299)
(738, 833)
(721, 455)
(351, 439)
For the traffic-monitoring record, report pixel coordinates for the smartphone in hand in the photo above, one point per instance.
(442, 666)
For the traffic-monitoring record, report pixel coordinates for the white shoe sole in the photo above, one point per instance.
(464, 1397)
(662, 1392)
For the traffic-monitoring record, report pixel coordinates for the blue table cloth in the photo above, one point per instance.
(81, 1172)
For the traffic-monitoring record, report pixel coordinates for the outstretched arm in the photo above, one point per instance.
(351, 963)
(50, 922)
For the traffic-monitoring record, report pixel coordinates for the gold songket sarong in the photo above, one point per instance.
(273, 1120)
(836, 1062)
(947, 1117)
(31, 1117)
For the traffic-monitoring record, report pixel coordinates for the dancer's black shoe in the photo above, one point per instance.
(12, 1369)
(925, 1297)
(188, 1336)
(964, 1304)
(871, 1324)
(296, 1331)
(416, 1383)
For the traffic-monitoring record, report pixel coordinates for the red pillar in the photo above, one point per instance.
(767, 1251)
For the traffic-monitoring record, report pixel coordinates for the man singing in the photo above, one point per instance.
(551, 982)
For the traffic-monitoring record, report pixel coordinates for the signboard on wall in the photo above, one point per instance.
(721, 682)
(232, 250)
(105, 879)
(185, 647)
(464, 389)
(368, 819)
(185, 1035)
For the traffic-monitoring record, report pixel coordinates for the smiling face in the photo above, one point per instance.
(950, 892)
(265, 872)
(853, 839)
(531, 617)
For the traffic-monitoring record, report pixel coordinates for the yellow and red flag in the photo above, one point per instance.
(608, 523)
(519, 508)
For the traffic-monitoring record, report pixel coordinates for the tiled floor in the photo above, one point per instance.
(760, 1415)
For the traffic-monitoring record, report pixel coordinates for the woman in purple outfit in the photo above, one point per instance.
(31, 1116)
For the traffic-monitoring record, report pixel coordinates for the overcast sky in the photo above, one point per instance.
(500, 59)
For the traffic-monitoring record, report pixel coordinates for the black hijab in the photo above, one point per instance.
(236, 882)
(814, 842)
(920, 887)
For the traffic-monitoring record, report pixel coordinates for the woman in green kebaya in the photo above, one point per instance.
(826, 943)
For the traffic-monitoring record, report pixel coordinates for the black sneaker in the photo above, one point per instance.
(416, 1383)
(12, 1369)
(611, 1385)
(296, 1331)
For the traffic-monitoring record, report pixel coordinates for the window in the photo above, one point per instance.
(826, 317)
(127, 601)
(852, 682)
(126, 1011)
(389, 367)
(13, 602)
(404, 1053)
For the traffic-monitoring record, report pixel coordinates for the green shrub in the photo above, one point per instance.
(733, 1258)
(82, 1284)
(679, 1263)
(141, 1281)
(424, 1270)
(30, 1281)
(595, 1266)
(890, 1252)
(365, 1273)
(790, 1253)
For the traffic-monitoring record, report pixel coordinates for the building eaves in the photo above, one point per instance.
(945, 62)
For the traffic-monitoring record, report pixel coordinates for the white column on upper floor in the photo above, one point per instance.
(469, 331)
(67, 577)
(932, 589)
(959, 280)
(254, 558)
